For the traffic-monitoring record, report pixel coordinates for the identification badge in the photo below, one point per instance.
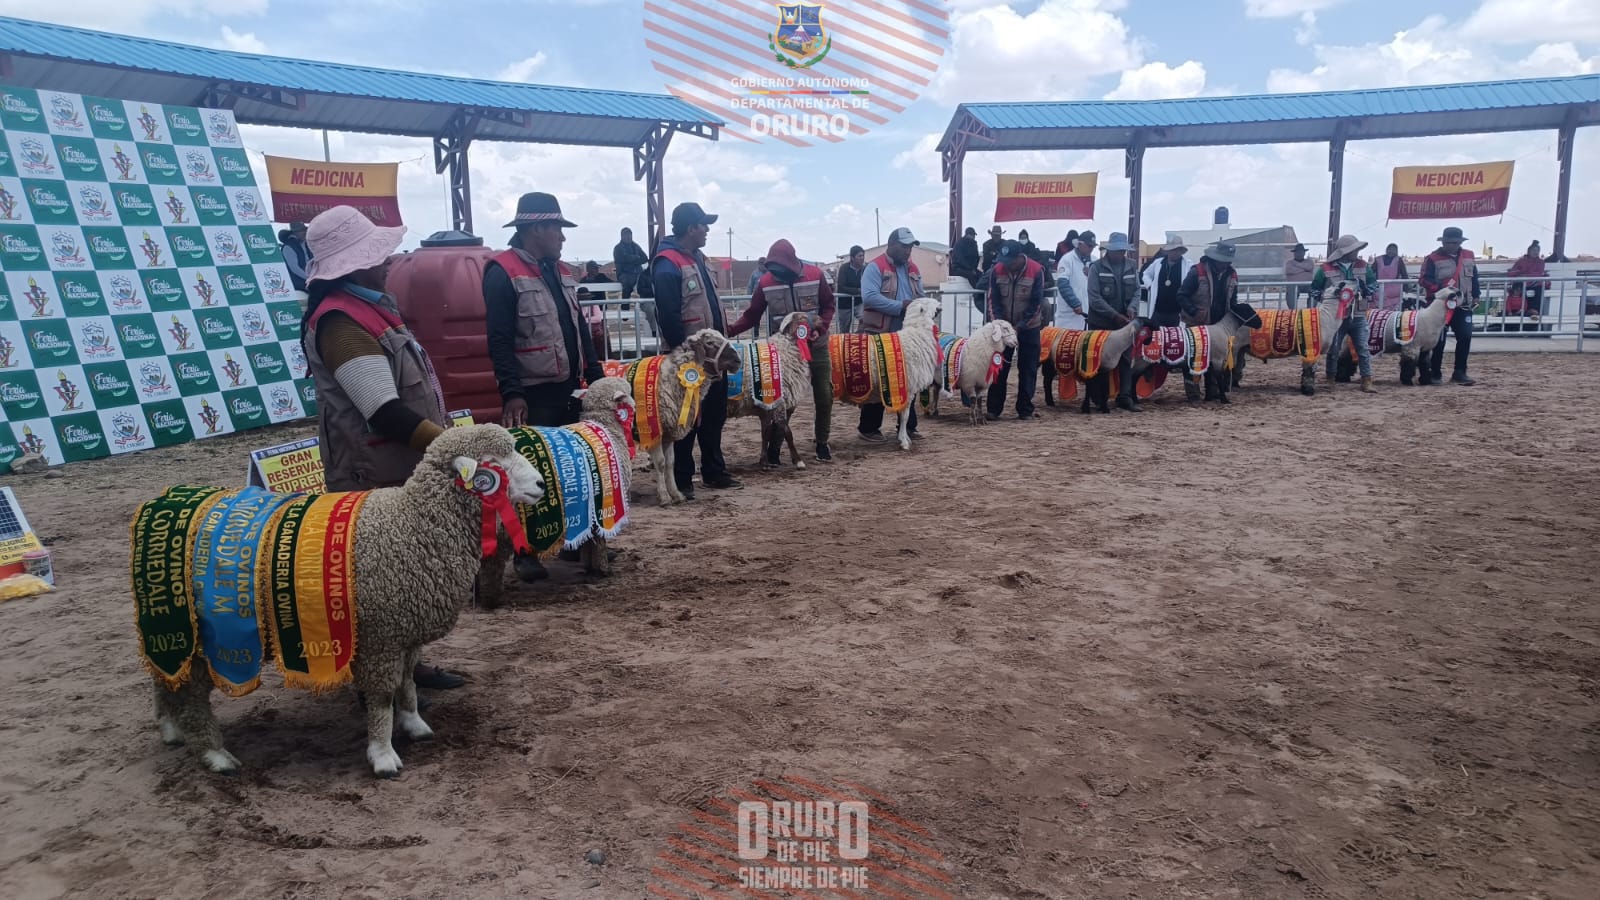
(691, 285)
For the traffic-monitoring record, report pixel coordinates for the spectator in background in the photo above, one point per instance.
(1298, 272)
(297, 255)
(1526, 298)
(1028, 248)
(1067, 246)
(755, 276)
(991, 249)
(964, 257)
(594, 315)
(1072, 284)
(1391, 267)
(848, 288)
(629, 260)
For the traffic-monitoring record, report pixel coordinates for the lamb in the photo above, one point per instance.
(1065, 358)
(1260, 343)
(919, 343)
(413, 553)
(794, 371)
(972, 364)
(1222, 338)
(1426, 325)
(607, 403)
(703, 359)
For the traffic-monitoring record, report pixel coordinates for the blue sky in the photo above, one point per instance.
(824, 197)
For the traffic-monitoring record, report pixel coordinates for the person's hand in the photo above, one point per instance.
(515, 413)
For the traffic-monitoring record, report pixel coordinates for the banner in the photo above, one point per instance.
(301, 188)
(143, 297)
(1450, 192)
(1034, 198)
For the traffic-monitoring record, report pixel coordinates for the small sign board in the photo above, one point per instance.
(461, 417)
(288, 468)
(16, 537)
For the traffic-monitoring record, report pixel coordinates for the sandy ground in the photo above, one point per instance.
(1337, 647)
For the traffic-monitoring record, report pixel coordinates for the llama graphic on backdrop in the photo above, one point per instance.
(123, 162)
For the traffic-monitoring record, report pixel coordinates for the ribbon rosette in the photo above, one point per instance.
(802, 338)
(489, 482)
(625, 419)
(692, 380)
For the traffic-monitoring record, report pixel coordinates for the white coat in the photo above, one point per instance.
(1153, 272)
(1075, 272)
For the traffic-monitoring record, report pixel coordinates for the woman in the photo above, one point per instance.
(378, 400)
(1390, 267)
(1526, 298)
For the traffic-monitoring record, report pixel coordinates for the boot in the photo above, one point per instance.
(1366, 386)
(1128, 404)
(529, 569)
(1191, 391)
(1460, 377)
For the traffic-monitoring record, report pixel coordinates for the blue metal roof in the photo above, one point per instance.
(1524, 105)
(305, 93)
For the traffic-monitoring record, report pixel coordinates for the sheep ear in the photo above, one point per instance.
(623, 397)
(579, 392)
(466, 467)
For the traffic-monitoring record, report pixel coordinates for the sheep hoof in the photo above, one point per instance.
(171, 734)
(412, 726)
(220, 762)
(385, 762)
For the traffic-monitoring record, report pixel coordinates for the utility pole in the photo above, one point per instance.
(730, 260)
(326, 156)
(877, 226)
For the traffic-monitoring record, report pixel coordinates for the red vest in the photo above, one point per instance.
(541, 346)
(1011, 294)
(696, 305)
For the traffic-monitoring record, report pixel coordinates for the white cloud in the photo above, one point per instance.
(523, 69)
(1306, 33)
(128, 15)
(998, 53)
(1282, 9)
(1157, 80)
(244, 43)
(1527, 21)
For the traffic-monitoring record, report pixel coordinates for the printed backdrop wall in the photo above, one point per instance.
(144, 302)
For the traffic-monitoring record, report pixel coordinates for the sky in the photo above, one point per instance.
(826, 197)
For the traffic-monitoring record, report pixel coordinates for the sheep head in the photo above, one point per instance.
(792, 322)
(460, 452)
(926, 309)
(606, 395)
(1246, 314)
(714, 352)
(1001, 333)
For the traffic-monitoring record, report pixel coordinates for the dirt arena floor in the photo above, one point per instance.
(1343, 647)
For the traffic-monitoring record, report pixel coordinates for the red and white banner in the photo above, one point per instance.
(302, 188)
(1451, 192)
(1035, 198)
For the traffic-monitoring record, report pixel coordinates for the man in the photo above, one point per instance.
(1068, 245)
(1526, 298)
(991, 249)
(1162, 279)
(594, 316)
(1208, 291)
(850, 288)
(538, 341)
(1114, 302)
(1297, 272)
(1345, 264)
(1391, 267)
(1451, 266)
(755, 276)
(378, 400)
(686, 301)
(296, 254)
(629, 260)
(1072, 283)
(1016, 295)
(888, 286)
(964, 257)
(790, 286)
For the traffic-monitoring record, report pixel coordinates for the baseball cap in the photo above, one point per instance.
(687, 215)
(1009, 250)
(903, 236)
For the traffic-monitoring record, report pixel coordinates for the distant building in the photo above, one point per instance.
(932, 259)
(1262, 251)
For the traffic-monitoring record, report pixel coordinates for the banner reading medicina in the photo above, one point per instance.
(140, 281)
(1451, 192)
(302, 188)
(1034, 198)
(799, 73)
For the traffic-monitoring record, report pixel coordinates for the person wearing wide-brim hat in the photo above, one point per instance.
(539, 344)
(991, 249)
(379, 405)
(1209, 290)
(1162, 279)
(1297, 274)
(1451, 266)
(1344, 268)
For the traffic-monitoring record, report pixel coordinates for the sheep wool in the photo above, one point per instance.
(644, 377)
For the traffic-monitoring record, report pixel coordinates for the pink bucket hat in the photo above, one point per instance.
(342, 241)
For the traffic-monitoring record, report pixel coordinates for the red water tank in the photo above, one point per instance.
(440, 291)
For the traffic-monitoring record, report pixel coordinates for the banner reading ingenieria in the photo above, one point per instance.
(144, 300)
(1450, 192)
(1034, 198)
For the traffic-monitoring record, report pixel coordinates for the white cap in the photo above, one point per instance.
(903, 236)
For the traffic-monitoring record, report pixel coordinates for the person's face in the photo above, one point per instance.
(858, 259)
(1451, 246)
(1014, 265)
(1085, 248)
(627, 234)
(1299, 253)
(1116, 256)
(543, 241)
(1391, 250)
(695, 236)
(1023, 236)
(898, 253)
(1533, 250)
(375, 278)
(1174, 255)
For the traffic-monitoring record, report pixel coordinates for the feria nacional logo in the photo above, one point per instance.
(799, 73)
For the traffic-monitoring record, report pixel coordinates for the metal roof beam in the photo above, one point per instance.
(225, 95)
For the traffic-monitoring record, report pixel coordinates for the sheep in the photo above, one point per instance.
(1223, 339)
(607, 403)
(794, 372)
(1327, 318)
(1426, 325)
(1062, 352)
(919, 343)
(716, 356)
(414, 554)
(971, 366)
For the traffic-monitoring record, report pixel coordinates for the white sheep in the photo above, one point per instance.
(415, 554)
(716, 356)
(1427, 324)
(794, 373)
(1326, 316)
(970, 366)
(919, 343)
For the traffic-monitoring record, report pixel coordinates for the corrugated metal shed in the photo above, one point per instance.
(1524, 105)
(268, 90)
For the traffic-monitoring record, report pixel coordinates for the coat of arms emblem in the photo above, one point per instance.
(800, 41)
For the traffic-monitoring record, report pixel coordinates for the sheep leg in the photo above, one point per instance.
(379, 680)
(1047, 373)
(167, 708)
(1308, 380)
(406, 715)
(663, 473)
(669, 466)
(788, 438)
(197, 724)
(596, 558)
(903, 419)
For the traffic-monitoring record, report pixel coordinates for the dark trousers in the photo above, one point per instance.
(1461, 326)
(1027, 359)
(629, 282)
(872, 418)
(713, 415)
(1164, 318)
